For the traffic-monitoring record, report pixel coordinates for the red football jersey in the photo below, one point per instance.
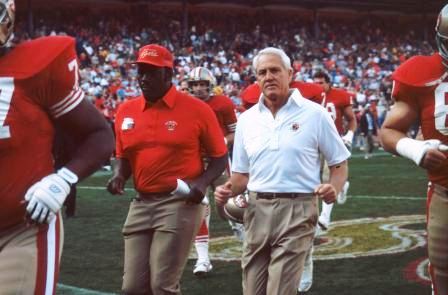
(225, 112)
(336, 101)
(427, 93)
(38, 83)
(311, 91)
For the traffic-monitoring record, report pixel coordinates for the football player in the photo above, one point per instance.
(338, 103)
(39, 90)
(201, 83)
(420, 90)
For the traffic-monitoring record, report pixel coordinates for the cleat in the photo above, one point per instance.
(202, 268)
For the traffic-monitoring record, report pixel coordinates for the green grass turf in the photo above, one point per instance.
(93, 249)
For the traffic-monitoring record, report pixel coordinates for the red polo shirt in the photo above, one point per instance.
(163, 141)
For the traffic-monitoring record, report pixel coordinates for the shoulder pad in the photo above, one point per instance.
(421, 71)
(31, 57)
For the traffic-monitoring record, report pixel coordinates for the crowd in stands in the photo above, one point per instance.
(359, 55)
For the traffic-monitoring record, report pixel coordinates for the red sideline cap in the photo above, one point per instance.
(251, 94)
(156, 55)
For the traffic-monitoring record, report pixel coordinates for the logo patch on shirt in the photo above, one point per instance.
(127, 124)
(171, 125)
(295, 126)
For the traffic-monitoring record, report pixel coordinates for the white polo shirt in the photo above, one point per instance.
(281, 154)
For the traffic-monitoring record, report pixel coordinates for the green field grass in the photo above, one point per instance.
(382, 186)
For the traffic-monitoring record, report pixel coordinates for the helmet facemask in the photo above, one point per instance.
(442, 34)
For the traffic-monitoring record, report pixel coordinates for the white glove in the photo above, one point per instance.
(46, 197)
(416, 149)
(348, 138)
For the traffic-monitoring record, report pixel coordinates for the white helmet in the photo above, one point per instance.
(202, 74)
(442, 34)
(234, 209)
(7, 17)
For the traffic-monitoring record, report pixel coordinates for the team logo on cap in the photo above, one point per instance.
(170, 125)
(149, 52)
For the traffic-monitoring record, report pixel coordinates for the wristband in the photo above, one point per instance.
(415, 149)
(68, 175)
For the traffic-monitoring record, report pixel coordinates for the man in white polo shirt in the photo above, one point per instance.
(276, 157)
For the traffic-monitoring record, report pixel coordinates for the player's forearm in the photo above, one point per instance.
(94, 150)
(351, 125)
(389, 138)
(229, 138)
(338, 175)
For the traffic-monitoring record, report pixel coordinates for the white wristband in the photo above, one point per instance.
(415, 149)
(68, 175)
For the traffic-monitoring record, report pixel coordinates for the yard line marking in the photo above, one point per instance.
(81, 291)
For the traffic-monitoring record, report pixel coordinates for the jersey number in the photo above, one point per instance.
(6, 91)
(441, 108)
(331, 108)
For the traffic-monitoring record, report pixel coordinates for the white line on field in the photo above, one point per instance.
(350, 196)
(81, 291)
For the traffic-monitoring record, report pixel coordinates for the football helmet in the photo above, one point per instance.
(234, 209)
(442, 34)
(201, 74)
(7, 17)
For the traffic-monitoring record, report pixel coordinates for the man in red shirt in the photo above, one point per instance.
(201, 83)
(420, 91)
(39, 90)
(160, 140)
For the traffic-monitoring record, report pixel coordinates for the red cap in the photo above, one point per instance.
(251, 94)
(156, 55)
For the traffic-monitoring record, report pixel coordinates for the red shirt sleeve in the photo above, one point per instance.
(61, 92)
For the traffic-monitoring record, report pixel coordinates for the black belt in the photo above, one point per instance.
(270, 196)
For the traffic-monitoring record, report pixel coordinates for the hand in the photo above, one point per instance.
(223, 193)
(434, 157)
(326, 192)
(46, 197)
(195, 196)
(115, 185)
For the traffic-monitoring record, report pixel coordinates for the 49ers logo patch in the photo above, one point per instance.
(171, 125)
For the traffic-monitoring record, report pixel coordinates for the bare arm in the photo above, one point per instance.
(397, 123)
(350, 117)
(427, 153)
(214, 169)
(229, 138)
(338, 175)
(94, 135)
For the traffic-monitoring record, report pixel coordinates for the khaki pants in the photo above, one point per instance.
(30, 257)
(438, 237)
(158, 234)
(279, 233)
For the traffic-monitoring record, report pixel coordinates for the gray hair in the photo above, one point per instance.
(275, 51)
